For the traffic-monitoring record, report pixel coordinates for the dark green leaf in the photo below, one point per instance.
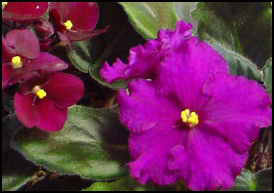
(16, 171)
(92, 144)
(238, 64)
(124, 184)
(149, 17)
(267, 75)
(264, 180)
(244, 27)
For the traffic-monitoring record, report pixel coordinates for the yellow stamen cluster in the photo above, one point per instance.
(190, 118)
(68, 25)
(16, 62)
(41, 93)
(4, 4)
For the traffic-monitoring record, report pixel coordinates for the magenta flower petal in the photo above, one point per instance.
(51, 118)
(25, 111)
(228, 99)
(64, 89)
(24, 11)
(144, 62)
(23, 43)
(206, 162)
(193, 120)
(83, 15)
(176, 72)
(149, 151)
(142, 108)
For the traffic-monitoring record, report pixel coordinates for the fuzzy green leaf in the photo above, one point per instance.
(92, 144)
(267, 75)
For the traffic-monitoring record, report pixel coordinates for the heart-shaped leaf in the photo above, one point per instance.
(92, 144)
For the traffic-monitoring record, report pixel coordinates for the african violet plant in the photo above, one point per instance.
(136, 96)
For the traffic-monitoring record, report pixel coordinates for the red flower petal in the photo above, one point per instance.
(24, 43)
(83, 15)
(25, 111)
(24, 11)
(64, 89)
(51, 118)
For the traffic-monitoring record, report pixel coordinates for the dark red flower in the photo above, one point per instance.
(21, 55)
(42, 101)
(75, 20)
(23, 11)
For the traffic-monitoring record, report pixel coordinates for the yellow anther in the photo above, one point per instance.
(16, 62)
(4, 4)
(190, 118)
(41, 93)
(68, 25)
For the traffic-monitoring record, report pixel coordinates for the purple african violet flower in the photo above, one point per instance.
(143, 62)
(194, 121)
(75, 20)
(23, 11)
(42, 101)
(21, 55)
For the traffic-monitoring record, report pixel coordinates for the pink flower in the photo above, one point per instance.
(188, 117)
(75, 20)
(42, 101)
(23, 11)
(21, 55)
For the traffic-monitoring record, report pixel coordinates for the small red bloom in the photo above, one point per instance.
(42, 101)
(23, 11)
(75, 20)
(21, 55)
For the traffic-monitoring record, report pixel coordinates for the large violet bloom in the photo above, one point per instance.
(23, 11)
(75, 21)
(194, 121)
(21, 55)
(42, 100)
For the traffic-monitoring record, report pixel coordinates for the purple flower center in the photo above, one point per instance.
(190, 118)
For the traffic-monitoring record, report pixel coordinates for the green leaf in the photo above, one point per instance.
(264, 180)
(244, 182)
(248, 181)
(238, 64)
(244, 27)
(92, 144)
(16, 171)
(124, 184)
(267, 75)
(80, 57)
(149, 17)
